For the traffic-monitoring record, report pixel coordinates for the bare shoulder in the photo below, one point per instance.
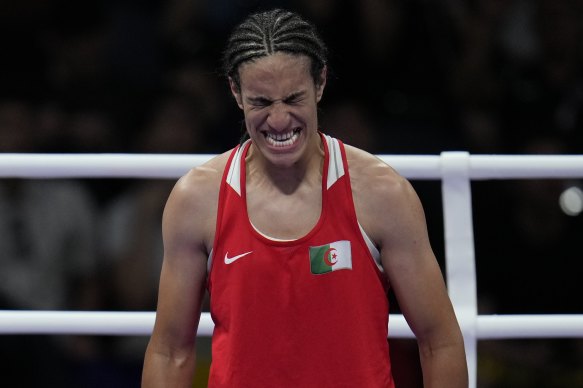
(384, 199)
(372, 179)
(192, 205)
(198, 184)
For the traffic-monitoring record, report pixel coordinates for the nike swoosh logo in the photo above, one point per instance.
(229, 260)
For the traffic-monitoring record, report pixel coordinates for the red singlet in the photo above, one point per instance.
(311, 312)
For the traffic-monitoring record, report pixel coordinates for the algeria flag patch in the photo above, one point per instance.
(330, 257)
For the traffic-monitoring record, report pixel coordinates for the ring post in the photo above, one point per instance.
(459, 250)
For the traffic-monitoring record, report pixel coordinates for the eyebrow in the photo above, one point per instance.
(264, 100)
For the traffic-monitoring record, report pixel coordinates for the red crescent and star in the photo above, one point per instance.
(330, 258)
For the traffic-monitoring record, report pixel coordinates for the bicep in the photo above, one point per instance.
(183, 276)
(412, 268)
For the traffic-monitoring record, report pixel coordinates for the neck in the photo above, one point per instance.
(287, 179)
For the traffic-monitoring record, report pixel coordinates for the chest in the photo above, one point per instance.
(284, 216)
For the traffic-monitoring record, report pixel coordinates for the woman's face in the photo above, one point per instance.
(279, 100)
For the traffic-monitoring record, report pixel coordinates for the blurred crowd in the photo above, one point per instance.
(406, 77)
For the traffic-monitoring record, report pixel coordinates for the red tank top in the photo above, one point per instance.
(311, 312)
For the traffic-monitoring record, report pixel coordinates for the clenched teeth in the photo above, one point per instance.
(282, 139)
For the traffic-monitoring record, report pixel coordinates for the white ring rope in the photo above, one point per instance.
(173, 166)
(454, 169)
(141, 323)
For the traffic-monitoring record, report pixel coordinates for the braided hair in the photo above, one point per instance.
(269, 32)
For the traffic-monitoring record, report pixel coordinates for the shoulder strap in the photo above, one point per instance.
(233, 176)
(336, 168)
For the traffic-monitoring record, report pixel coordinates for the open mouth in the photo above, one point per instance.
(282, 139)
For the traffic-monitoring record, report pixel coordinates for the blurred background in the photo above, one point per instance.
(406, 77)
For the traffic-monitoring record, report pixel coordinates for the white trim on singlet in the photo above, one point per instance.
(234, 175)
(269, 237)
(209, 262)
(374, 252)
(335, 165)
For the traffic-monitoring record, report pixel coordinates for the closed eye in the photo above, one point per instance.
(294, 98)
(259, 101)
(262, 102)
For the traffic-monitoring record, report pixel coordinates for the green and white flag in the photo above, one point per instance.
(330, 257)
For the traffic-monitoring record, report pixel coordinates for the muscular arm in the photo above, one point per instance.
(418, 285)
(391, 213)
(188, 218)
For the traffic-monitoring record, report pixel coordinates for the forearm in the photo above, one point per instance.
(161, 370)
(444, 365)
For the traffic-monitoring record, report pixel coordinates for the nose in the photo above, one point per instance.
(279, 117)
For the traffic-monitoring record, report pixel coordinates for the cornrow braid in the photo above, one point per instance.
(269, 32)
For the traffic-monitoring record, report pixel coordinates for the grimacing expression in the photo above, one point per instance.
(279, 100)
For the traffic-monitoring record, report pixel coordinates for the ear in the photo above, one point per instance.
(236, 92)
(322, 84)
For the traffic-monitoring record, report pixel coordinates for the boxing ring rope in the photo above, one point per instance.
(173, 166)
(456, 170)
(141, 323)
